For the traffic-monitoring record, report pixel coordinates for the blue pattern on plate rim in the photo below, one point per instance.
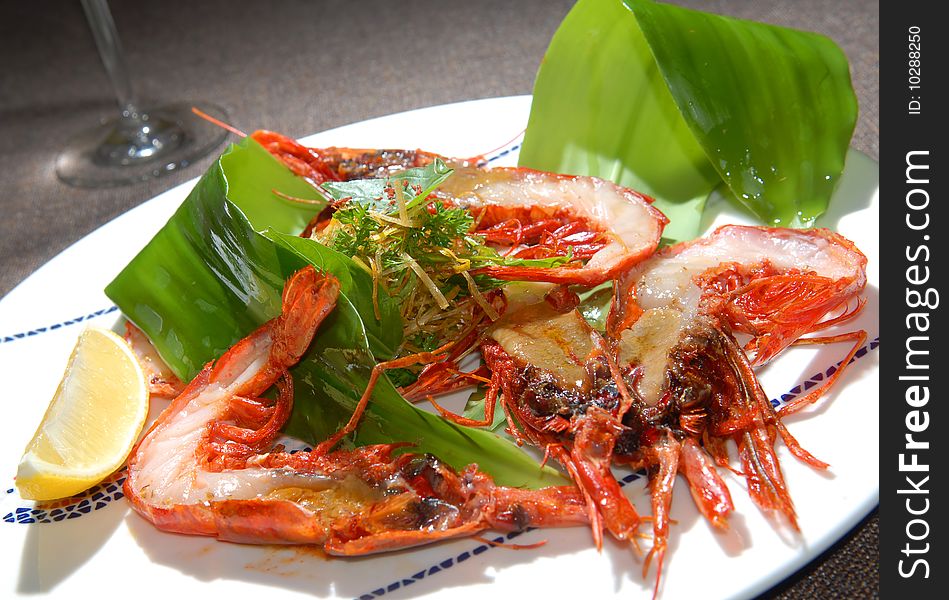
(19, 336)
(99, 496)
(500, 154)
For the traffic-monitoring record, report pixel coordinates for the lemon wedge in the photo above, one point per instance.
(92, 422)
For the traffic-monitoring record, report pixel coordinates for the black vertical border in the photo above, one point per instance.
(912, 261)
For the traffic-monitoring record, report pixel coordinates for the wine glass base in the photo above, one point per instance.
(117, 152)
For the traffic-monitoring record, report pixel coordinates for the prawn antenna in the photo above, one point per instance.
(501, 544)
(482, 159)
(217, 122)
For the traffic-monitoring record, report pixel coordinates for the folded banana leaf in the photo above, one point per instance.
(215, 272)
(672, 102)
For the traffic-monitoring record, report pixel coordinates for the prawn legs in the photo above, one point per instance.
(685, 387)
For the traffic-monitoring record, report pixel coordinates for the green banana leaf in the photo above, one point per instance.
(672, 101)
(474, 409)
(595, 305)
(215, 272)
(208, 277)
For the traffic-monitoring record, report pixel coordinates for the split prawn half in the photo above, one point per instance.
(603, 228)
(673, 327)
(208, 466)
(667, 385)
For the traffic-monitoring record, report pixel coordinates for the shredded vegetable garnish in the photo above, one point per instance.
(479, 297)
(420, 250)
(429, 284)
(417, 250)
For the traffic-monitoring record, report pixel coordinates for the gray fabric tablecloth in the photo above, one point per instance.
(302, 67)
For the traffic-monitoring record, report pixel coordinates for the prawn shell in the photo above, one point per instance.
(821, 251)
(631, 223)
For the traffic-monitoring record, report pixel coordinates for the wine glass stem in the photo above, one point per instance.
(110, 50)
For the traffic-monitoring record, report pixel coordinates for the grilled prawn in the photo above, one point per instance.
(668, 385)
(535, 214)
(208, 465)
(603, 227)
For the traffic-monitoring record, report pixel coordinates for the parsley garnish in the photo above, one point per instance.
(419, 250)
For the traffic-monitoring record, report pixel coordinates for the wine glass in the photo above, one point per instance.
(140, 143)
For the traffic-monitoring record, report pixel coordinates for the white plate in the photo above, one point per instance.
(102, 547)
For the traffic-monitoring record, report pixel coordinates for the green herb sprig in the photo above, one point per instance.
(419, 250)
